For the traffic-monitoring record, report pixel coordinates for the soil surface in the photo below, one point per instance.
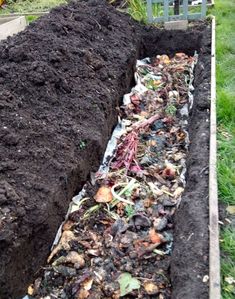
(61, 81)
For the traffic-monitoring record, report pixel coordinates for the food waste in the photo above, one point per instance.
(117, 238)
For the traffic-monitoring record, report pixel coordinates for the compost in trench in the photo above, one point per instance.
(117, 242)
(59, 91)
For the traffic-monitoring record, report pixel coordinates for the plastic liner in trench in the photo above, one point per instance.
(116, 241)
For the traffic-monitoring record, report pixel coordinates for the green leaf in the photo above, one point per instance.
(127, 283)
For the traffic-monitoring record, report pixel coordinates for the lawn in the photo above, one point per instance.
(21, 6)
(224, 11)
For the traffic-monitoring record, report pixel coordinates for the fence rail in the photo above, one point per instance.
(167, 6)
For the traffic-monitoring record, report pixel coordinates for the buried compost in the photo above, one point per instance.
(61, 82)
(117, 241)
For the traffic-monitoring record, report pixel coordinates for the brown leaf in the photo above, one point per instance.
(181, 136)
(144, 113)
(106, 221)
(72, 258)
(178, 156)
(120, 209)
(180, 55)
(103, 195)
(85, 244)
(30, 290)
(151, 142)
(140, 244)
(66, 237)
(165, 59)
(151, 288)
(94, 236)
(162, 59)
(87, 284)
(67, 225)
(155, 237)
(82, 294)
(178, 191)
(148, 202)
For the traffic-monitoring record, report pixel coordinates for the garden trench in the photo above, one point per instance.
(62, 80)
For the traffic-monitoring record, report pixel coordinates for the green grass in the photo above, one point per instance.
(228, 242)
(226, 159)
(224, 11)
(31, 18)
(138, 10)
(227, 270)
(228, 262)
(21, 6)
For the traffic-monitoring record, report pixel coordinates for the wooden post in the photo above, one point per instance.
(149, 11)
(204, 9)
(185, 9)
(166, 10)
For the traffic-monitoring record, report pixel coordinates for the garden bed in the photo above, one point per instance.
(62, 81)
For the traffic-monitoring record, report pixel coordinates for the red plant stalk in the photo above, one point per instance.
(147, 122)
(126, 152)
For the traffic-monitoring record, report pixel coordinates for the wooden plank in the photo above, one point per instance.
(195, 16)
(24, 14)
(10, 26)
(214, 252)
(5, 20)
(176, 25)
(157, 1)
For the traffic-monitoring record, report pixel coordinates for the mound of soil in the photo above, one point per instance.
(61, 81)
(60, 84)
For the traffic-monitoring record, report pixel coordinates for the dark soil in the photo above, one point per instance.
(61, 81)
